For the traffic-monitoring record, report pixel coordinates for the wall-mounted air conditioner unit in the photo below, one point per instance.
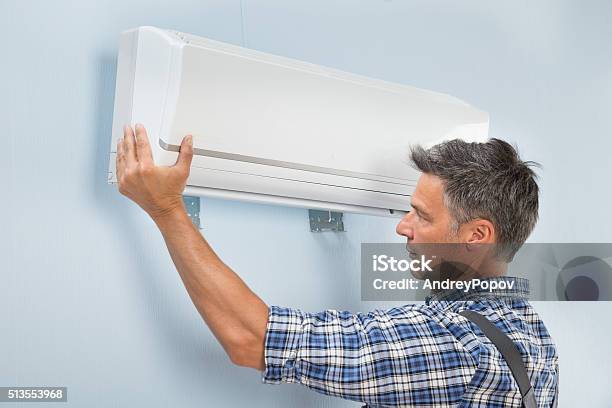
(273, 129)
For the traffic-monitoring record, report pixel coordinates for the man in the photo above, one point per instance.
(469, 194)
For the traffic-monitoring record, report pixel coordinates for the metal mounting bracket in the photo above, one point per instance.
(322, 220)
(192, 205)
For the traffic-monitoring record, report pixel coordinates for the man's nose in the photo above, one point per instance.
(404, 227)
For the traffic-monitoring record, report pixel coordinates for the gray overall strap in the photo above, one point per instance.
(509, 351)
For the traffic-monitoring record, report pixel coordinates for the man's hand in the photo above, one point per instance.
(157, 189)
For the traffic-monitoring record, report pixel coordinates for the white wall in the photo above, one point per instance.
(89, 298)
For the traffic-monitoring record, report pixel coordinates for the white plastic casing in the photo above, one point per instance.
(277, 130)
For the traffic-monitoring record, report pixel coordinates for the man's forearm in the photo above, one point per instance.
(236, 315)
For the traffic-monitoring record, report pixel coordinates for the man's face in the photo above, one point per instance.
(429, 220)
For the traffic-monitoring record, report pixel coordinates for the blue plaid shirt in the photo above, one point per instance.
(414, 355)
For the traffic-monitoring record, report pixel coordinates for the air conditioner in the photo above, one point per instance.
(273, 129)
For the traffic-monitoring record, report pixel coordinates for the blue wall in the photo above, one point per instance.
(89, 298)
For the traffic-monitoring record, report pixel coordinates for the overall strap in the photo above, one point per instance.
(510, 353)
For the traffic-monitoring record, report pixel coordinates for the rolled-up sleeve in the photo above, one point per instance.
(283, 335)
(382, 357)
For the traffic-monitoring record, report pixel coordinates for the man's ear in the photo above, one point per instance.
(480, 231)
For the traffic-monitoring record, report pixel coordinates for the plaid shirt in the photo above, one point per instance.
(414, 355)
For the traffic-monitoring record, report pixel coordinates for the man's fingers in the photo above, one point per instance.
(129, 147)
(185, 154)
(120, 161)
(143, 149)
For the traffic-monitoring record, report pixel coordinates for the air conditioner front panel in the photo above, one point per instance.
(287, 116)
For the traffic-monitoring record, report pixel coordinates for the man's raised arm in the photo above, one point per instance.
(236, 315)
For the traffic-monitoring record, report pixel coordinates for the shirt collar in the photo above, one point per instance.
(520, 290)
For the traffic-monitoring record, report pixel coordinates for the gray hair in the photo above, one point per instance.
(488, 181)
